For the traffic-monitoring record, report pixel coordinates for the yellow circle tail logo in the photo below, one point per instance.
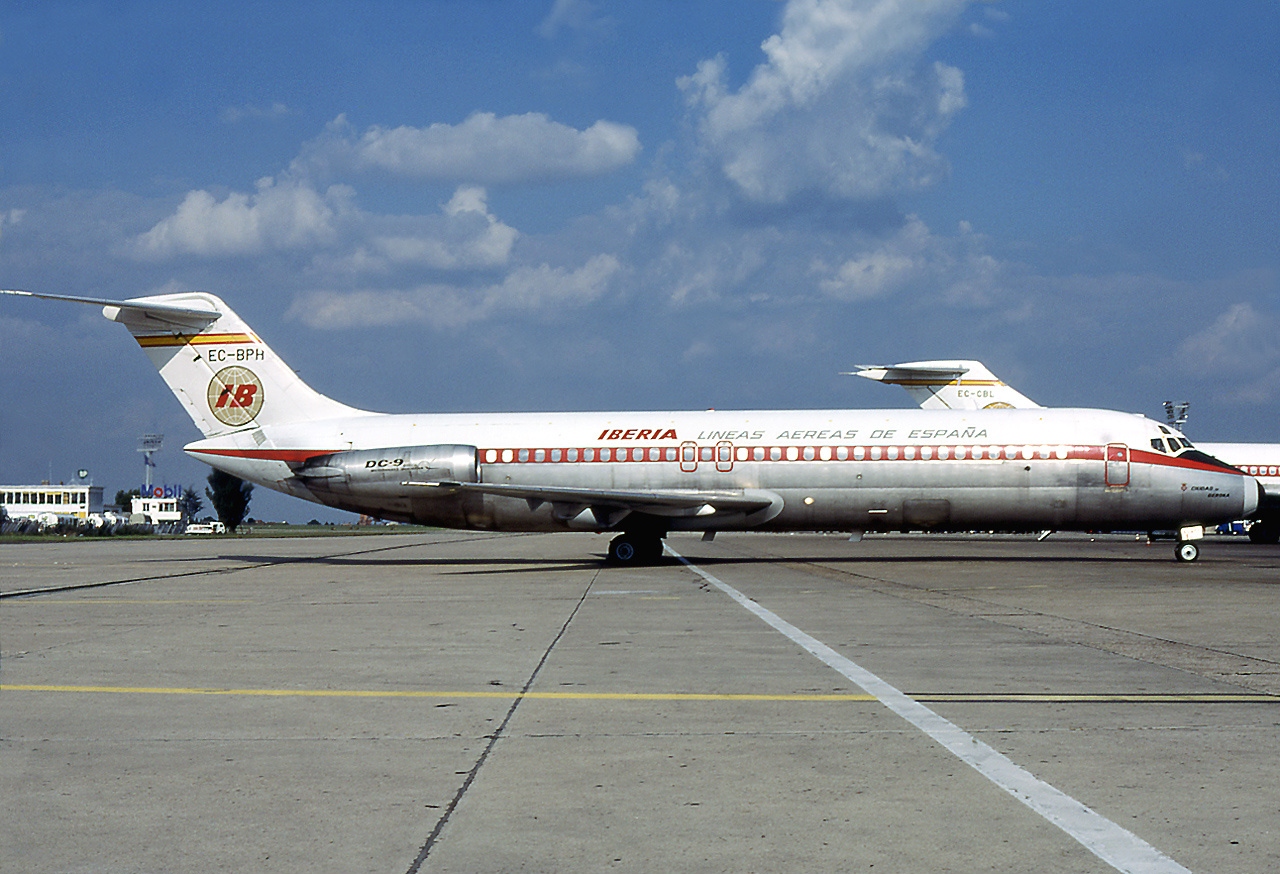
(235, 395)
(998, 405)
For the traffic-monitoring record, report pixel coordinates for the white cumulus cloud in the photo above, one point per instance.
(11, 217)
(576, 15)
(283, 215)
(954, 270)
(485, 149)
(841, 106)
(463, 236)
(1243, 343)
(442, 306)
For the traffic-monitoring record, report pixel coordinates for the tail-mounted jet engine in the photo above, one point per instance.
(381, 473)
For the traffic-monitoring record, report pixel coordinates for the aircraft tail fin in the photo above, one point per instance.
(953, 385)
(226, 378)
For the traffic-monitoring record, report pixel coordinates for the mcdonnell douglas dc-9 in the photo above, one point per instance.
(969, 385)
(644, 474)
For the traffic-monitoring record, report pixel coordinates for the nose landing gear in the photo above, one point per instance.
(1186, 551)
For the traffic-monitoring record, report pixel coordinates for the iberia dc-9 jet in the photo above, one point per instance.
(644, 474)
(969, 385)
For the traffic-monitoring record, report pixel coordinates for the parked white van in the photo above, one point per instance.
(206, 528)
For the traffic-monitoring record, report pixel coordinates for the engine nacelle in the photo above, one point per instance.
(381, 473)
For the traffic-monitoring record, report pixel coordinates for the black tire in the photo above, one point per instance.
(623, 550)
(1264, 532)
(635, 549)
(652, 550)
(1186, 551)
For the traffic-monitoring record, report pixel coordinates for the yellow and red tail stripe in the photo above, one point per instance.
(148, 342)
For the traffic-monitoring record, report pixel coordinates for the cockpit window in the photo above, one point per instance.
(1157, 444)
(1164, 430)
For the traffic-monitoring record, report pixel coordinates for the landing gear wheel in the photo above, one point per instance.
(1186, 551)
(1264, 532)
(623, 550)
(635, 549)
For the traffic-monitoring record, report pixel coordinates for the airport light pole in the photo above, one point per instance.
(148, 445)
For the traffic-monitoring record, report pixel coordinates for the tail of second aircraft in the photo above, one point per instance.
(225, 376)
(953, 385)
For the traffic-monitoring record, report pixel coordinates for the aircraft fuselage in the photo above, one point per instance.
(829, 469)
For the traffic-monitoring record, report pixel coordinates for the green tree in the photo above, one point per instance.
(190, 503)
(229, 496)
(124, 500)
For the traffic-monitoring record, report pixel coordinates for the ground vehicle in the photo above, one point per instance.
(206, 528)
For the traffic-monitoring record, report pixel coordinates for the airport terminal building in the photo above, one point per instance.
(30, 502)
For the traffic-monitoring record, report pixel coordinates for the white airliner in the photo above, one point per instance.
(643, 474)
(969, 385)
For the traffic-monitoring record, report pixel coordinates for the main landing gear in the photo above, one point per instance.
(635, 548)
(1265, 530)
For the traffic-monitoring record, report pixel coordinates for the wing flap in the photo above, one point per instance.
(610, 506)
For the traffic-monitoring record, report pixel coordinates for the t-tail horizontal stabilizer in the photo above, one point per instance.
(948, 385)
(227, 379)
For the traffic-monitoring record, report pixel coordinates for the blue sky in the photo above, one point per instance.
(639, 205)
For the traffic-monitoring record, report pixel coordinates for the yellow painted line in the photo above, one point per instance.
(965, 697)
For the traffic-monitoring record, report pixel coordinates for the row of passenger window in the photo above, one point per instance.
(726, 453)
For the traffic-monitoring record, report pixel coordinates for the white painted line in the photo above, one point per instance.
(1118, 847)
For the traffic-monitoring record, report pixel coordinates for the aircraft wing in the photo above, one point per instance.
(139, 312)
(609, 506)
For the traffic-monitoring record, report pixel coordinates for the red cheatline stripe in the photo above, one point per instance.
(293, 455)
(1141, 456)
(861, 453)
